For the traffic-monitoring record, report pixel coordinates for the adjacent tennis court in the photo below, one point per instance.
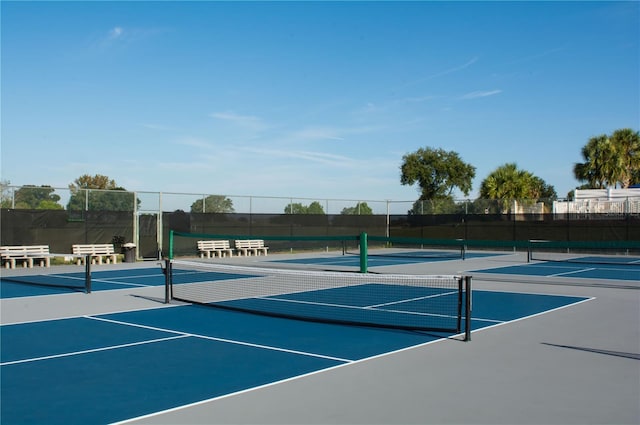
(50, 282)
(582, 267)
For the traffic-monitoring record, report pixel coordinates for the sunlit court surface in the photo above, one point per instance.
(551, 343)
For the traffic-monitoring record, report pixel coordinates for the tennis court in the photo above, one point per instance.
(122, 355)
(589, 267)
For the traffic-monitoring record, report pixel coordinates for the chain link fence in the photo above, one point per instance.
(61, 217)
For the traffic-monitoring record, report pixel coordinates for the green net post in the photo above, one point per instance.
(170, 244)
(363, 252)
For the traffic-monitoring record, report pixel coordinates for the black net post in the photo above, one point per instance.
(87, 273)
(460, 302)
(467, 309)
(166, 269)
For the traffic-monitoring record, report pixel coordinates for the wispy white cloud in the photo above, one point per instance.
(317, 157)
(195, 142)
(115, 33)
(119, 35)
(159, 127)
(477, 94)
(417, 99)
(330, 133)
(317, 133)
(246, 121)
(442, 73)
(537, 56)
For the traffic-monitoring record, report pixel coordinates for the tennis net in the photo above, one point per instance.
(74, 281)
(412, 302)
(417, 248)
(621, 253)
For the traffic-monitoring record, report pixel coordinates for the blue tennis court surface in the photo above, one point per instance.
(582, 269)
(113, 367)
(380, 304)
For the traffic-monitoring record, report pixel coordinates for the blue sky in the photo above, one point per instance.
(309, 99)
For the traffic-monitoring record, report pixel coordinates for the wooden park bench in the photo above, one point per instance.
(97, 252)
(248, 246)
(212, 248)
(26, 254)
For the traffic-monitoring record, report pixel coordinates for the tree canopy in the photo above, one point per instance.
(508, 183)
(437, 172)
(31, 197)
(610, 160)
(99, 193)
(297, 208)
(213, 204)
(361, 208)
(37, 198)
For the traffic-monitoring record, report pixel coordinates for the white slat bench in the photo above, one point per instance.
(27, 254)
(248, 246)
(96, 251)
(212, 248)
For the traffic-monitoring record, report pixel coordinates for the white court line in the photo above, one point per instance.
(282, 381)
(588, 269)
(93, 350)
(229, 341)
(179, 335)
(353, 307)
(115, 282)
(414, 299)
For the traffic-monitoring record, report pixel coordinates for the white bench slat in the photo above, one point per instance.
(97, 252)
(211, 248)
(27, 253)
(248, 246)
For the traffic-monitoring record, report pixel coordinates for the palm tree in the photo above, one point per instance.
(592, 169)
(627, 145)
(508, 183)
(610, 160)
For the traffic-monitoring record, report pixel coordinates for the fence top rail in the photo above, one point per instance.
(267, 237)
(584, 244)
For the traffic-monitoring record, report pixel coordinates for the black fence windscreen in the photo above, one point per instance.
(61, 228)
